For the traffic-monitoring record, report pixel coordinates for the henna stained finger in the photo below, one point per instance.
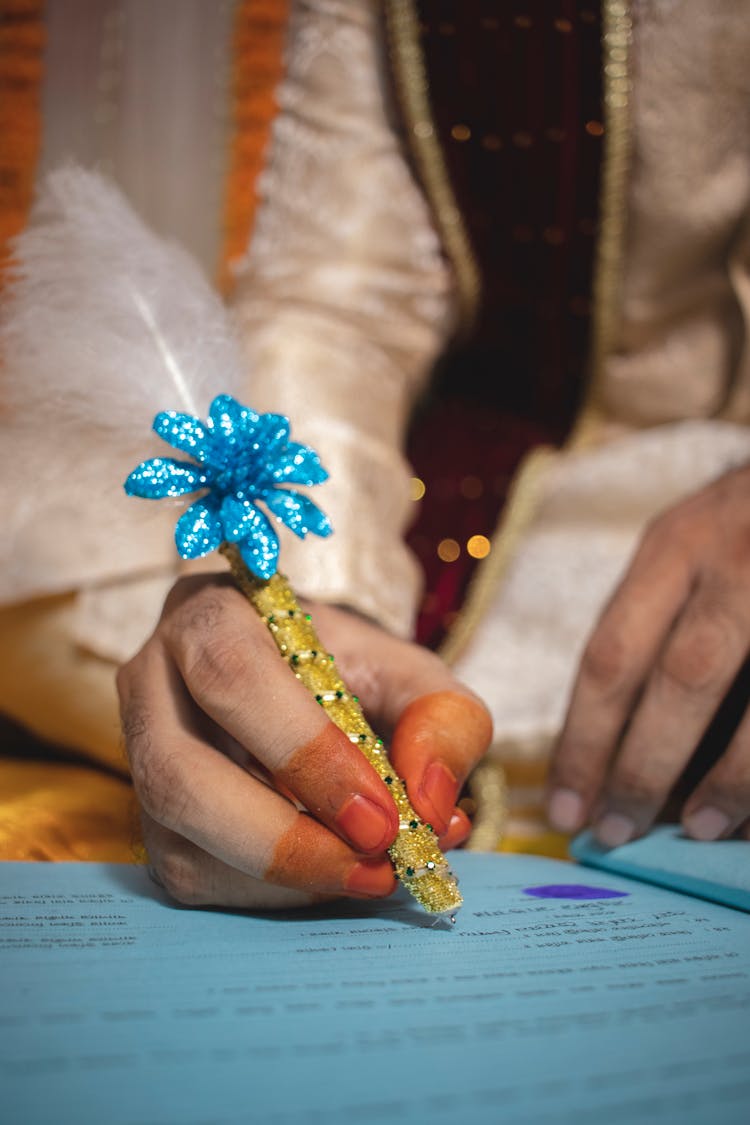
(437, 741)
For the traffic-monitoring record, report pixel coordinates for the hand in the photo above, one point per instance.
(657, 667)
(250, 796)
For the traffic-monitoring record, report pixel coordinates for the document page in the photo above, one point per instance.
(562, 994)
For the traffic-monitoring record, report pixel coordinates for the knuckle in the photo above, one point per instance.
(199, 610)
(217, 667)
(159, 787)
(190, 588)
(178, 874)
(667, 527)
(605, 662)
(675, 533)
(697, 662)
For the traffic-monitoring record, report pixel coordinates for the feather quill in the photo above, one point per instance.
(104, 324)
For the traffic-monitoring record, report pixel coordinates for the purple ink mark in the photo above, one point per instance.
(573, 890)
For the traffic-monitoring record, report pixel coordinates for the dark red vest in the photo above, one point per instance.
(515, 95)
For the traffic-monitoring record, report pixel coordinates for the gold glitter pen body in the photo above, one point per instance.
(415, 854)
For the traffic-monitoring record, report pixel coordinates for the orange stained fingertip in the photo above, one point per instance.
(310, 858)
(447, 725)
(337, 785)
(437, 740)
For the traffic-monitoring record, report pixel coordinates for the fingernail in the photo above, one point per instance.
(437, 795)
(614, 829)
(707, 823)
(458, 830)
(365, 824)
(565, 810)
(370, 877)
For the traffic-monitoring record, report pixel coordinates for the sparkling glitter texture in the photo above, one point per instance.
(417, 860)
(240, 458)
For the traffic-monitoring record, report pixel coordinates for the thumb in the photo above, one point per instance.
(437, 741)
(438, 728)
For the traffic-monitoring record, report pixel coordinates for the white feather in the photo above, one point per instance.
(104, 324)
(127, 318)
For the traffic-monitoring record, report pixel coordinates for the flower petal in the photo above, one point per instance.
(228, 418)
(298, 512)
(184, 432)
(299, 464)
(199, 529)
(241, 519)
(261, 555)
(273, 428)
(245, 525)
(162, 476)
(270, 438)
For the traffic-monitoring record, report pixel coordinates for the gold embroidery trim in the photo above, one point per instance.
(402, 26)
(617, 28)
(488, 787)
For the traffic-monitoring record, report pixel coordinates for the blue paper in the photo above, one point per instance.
(718, 871)
(120, 1008)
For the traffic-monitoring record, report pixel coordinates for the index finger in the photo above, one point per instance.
(195, 793)
(232, 670)
(613, 669)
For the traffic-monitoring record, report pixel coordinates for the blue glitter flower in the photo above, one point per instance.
(239, 458)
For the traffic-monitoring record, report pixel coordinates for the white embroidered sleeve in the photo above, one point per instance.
(343, 302)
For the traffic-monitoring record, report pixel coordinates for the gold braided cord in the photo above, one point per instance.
(411, 81)
(416, 857)
(488, 786)
(617, 43)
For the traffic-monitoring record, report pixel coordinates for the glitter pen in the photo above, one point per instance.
(238, 460)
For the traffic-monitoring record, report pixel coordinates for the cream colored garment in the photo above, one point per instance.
(590, 511)
(680, 351)
(355, 336)
(343, 304)
(140, 91)
(682, 348)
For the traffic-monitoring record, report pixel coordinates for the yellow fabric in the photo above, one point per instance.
(526, 829)
(61, 693)
(55, 809)
(65, 811)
